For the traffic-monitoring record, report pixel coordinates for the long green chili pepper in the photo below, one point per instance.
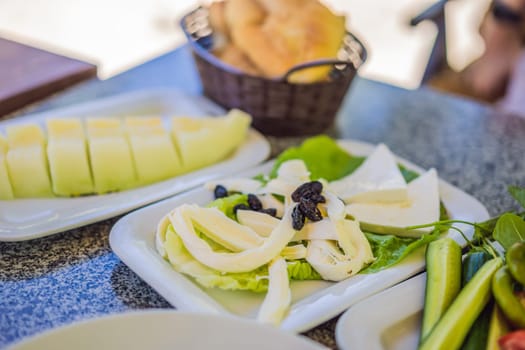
(502, 288)
(515, 257)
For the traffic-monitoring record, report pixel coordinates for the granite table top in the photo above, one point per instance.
(74, 275)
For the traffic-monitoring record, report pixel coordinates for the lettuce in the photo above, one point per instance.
(323, 158)
(302, 270)
(389, 249)
(226, 204)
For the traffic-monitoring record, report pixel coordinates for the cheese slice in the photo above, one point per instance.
(6, 191)
(68, 158)
(27, 161)
(421, 207)
(378, 179)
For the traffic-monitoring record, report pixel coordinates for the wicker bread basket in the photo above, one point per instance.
(278, 107)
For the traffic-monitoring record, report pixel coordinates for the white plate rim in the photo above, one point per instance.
(25, 219)
(263, 333)
(137, 251)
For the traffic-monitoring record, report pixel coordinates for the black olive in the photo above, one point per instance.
(254, 202)
(297, 219)
(220, 192)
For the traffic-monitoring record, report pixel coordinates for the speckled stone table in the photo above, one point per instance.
(74, 275)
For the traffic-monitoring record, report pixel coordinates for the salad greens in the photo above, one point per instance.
(389, 249)
(226, 204)
(218, 247)
(334, 163)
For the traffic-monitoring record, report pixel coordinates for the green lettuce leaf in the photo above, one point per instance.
(302, 270)
(226, 204)
(509, 229)
(389, 249)
(323, 158)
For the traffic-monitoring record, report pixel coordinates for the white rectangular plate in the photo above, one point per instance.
(313, 302)
(390, 320)
(23, 219)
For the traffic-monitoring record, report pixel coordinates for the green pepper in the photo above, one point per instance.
(503, 290)
(516, 261)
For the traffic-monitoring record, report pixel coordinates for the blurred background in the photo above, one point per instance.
(117, 35)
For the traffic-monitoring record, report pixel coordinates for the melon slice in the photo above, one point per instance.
(153, 152)
(68, 159)
(27, 161)
(204, 141)
(109, 152)
(6, 191)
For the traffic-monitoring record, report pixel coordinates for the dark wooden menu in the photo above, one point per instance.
(28, 74)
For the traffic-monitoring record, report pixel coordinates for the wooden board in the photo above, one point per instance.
(28, 74)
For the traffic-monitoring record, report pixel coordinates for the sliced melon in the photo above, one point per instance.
(68, 158)
(205, 141)
(110, 155)
(378, 179)
(6, 191)
(153, 152)
(27, 161)
(421, 207)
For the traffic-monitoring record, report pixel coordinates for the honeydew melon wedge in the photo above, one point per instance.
(109, 152)
(378, 179)
(153, 152)
(27, 161)
(421, 207)
(6, 191)
(68, 158)
(207, 140)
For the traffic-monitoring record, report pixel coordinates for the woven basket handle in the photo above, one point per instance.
(316, 63)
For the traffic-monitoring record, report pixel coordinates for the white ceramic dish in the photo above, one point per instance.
(23, 219)
(313, 302)
(163, 330)
(390, 320)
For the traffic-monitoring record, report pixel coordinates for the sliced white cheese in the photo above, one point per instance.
(338, 259)
(262, 224)
(160, 236)
(294, 252)
(244, 261)
(290, 175)
(378, 179)
(421, 207)
(227, 232)
(278, 298)
(323, 229)
(269, 201)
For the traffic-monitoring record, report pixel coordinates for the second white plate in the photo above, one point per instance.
(23, 219)
(389, 320)
(165, 330)
(313, 302)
